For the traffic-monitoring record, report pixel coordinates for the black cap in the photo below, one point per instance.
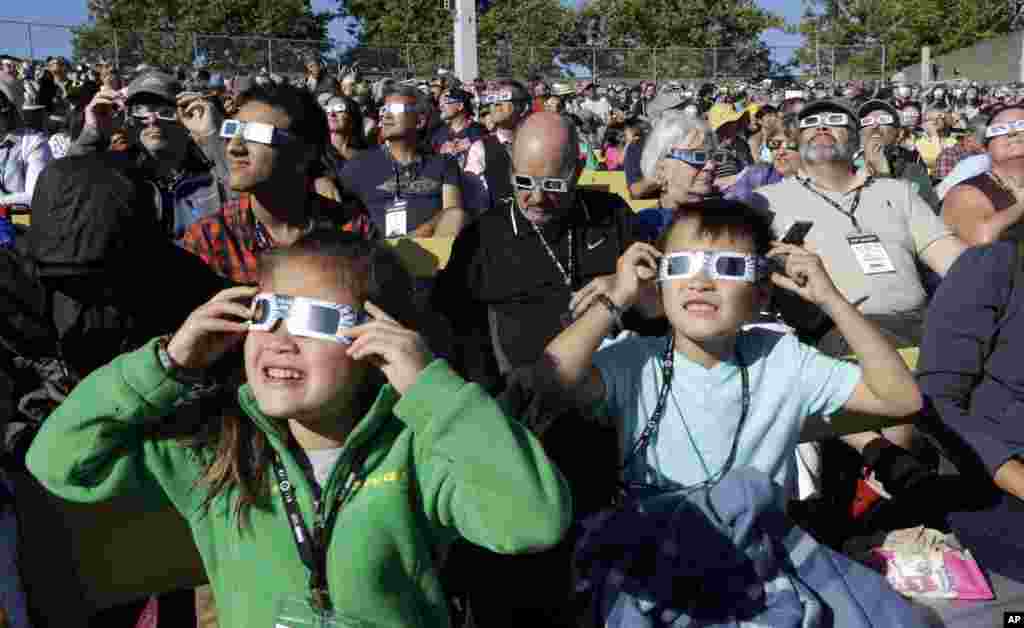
(827, 104)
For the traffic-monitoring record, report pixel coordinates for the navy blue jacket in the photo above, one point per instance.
(981, 401)
(725, 557)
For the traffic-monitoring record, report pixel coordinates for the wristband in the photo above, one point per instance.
(615, 310)
(180, 374)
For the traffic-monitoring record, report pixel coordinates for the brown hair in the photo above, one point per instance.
(235, 453)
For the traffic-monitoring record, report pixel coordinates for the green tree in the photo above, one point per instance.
(416, 35)
(161, 32)
(859, 28)
(702, 38)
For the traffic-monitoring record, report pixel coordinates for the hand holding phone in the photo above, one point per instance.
(796, 235)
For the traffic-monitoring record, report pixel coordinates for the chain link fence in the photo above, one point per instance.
(224, 53)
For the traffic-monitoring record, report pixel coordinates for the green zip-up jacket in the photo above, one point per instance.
(442, 461)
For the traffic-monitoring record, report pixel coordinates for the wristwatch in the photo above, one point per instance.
(180, 374)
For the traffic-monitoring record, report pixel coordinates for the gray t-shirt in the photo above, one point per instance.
(890, 209)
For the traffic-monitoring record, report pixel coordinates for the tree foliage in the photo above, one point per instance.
(903, 26)
(525, 37)
(702, 38)
(161, 32)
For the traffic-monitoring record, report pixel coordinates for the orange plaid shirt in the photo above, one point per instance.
(230, 240)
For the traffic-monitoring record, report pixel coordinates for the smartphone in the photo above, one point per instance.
(797, 232)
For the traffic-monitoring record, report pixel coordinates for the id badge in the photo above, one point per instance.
(870, 254)
(396, 219)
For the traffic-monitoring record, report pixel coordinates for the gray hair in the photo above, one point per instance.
(671, 128)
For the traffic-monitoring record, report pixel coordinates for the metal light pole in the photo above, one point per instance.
(466, 67)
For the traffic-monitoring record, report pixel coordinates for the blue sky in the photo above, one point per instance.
(48, 41)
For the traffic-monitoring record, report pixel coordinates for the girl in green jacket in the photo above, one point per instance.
(351, 460)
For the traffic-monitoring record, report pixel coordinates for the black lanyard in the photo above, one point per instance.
(852, 213)
(413, 167)
(653, 423)
(313, 547)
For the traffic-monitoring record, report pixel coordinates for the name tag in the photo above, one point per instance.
(870, 254)
(396, 220)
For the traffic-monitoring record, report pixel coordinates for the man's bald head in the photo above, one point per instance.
(546, 137)
(546, 146)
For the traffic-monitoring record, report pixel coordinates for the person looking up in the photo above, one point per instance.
(347, 423)
(459, 130)
(273, 145)
(406, 191)
(983, 207)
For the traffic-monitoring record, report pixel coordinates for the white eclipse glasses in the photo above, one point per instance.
(999, 130)
(309, 318)
(397, 107)
(824, 119)
(545, 184)
(258, 132)
(719, 265)
(882, 119)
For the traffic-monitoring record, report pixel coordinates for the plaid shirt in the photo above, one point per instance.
(949, 158)
(230, 240)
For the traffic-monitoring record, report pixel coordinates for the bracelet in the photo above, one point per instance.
(615, 310)
(180, 374)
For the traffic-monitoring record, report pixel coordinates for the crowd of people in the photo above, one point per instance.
(581, 417)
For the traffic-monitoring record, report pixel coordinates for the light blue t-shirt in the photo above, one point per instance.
(789, 381)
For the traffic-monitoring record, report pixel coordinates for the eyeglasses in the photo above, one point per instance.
(719, 264)
(397, 107)
(309, 318)
(824, 119)
(545, 184)
(336, 108)
(696, 158)
(778, 144)
(162, 112)
(882, 119)
(255, 132)
(999, 130)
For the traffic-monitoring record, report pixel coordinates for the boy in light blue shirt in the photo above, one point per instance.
(709, 396)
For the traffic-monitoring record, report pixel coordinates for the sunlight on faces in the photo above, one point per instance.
(338, 122)
(680, 179)
(701, 308)
(398, 125)
(1007, 146)
(935, 122)
(542, 157)
(825, 143)
(252, 164)
(888, 133)
(786, 161)
(322, 380)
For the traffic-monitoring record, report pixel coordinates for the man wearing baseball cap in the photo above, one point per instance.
(176, 143)
(871, 233)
